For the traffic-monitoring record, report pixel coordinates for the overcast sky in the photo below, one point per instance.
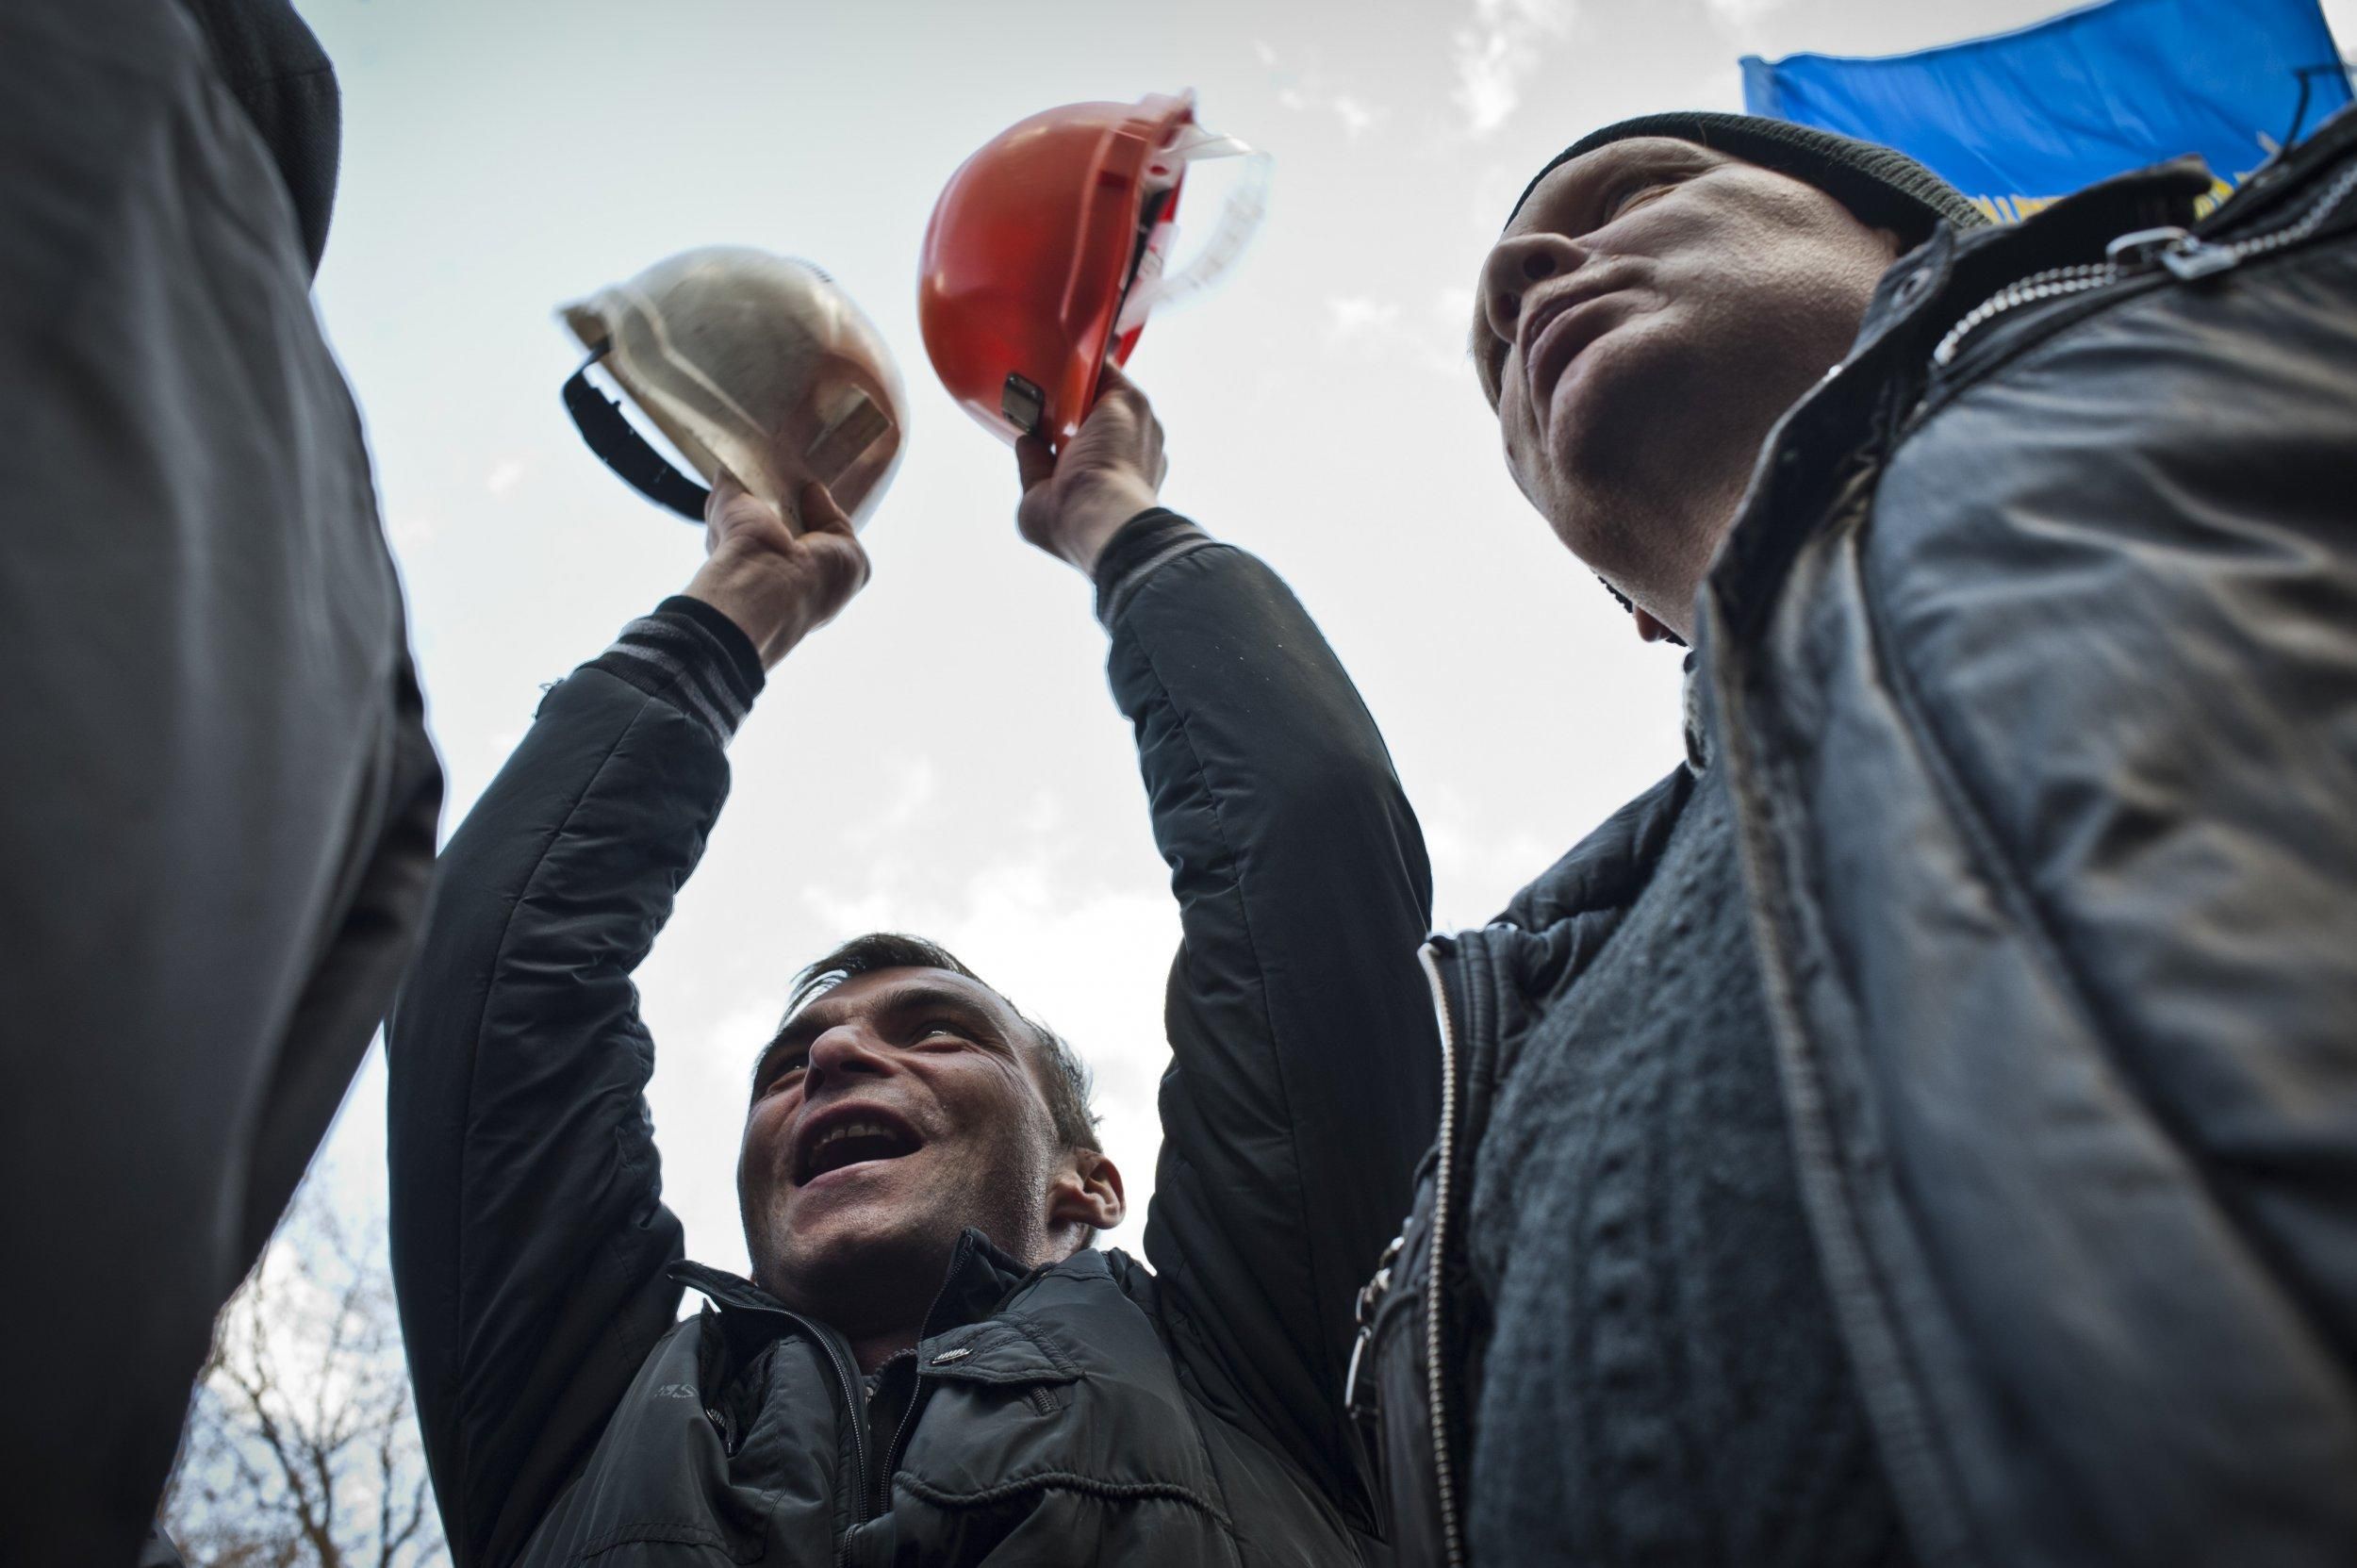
(946, 758)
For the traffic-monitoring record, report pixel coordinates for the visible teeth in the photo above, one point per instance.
(853, 1130)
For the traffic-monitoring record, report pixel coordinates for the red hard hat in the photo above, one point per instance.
(1031, 247)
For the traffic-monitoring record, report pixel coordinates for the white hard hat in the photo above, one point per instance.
(746, 361)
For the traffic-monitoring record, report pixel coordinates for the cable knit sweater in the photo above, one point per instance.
(1666, 1385)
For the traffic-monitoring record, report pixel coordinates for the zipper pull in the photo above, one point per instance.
(2187, 256)
(1359, 1402)
(2193, 259)
(1370, 1294)
(2139, 249)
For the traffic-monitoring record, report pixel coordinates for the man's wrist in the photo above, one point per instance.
(1093, 523)
(1141, 546)
(692, 656)
(759, 597)
(725, 637)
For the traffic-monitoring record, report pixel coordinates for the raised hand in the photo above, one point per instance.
(1076, 501)
(779, 586)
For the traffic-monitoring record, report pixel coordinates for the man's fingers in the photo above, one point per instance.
(1034, 463)
(1114, 386)
(827, 533)
(821, 515)
(724, 489)
(844, 560)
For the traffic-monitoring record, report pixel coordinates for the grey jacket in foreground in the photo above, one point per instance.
(1089, 1412)
(2033, 670)
(218, 800)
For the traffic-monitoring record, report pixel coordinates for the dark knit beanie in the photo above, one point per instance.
(1882, 188)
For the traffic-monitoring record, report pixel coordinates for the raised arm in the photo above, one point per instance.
(1305, 1077)
(530, 1240)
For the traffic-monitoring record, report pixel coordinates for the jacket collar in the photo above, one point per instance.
(978, 1282)
(1695, 715)
(1816, 447)
(968, 1335)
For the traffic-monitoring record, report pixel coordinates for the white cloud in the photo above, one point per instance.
(697, 1099)
(1431, 340)
(913, 792)
(1497, 52)
(1476, 869)
(1307, 92)
(411, 528)
(1357, 316)
(1356, 114)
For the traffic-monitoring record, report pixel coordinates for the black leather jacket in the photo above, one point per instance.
(1093, 1412)
(2032, 661)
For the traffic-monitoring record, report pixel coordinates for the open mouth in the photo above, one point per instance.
(856, 1138)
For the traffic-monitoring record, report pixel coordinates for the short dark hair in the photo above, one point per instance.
(1064, 1079)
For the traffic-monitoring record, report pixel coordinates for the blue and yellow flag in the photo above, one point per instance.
(2021, 119)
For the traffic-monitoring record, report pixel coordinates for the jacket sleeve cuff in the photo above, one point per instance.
(693, 657)
(1147, 543)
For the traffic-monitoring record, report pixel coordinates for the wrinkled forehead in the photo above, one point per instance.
(834, 1000)
(1563, 201)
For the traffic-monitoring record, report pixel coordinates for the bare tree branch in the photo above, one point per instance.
(303, 1449)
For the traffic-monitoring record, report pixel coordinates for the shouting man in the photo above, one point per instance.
(1924, 1127)
(932, 1362)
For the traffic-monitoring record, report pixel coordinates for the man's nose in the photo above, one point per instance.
(848, 1050)
(1517, 265)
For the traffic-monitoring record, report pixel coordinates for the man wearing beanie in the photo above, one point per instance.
(217, 821)
(1922, 1128)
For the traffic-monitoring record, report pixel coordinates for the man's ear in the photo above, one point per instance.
(1086, 1192)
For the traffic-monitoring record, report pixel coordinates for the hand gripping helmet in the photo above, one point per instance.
(1046, 252)
(746, 361)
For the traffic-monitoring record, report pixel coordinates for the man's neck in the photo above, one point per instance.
(871, 1351)
(873, 1324)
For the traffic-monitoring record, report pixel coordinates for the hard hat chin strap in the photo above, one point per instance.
(621, 446)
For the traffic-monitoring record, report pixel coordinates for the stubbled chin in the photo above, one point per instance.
(866, 1182)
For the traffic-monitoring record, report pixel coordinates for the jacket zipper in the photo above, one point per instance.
(847, 1377)
(2051, 284)
(899, 1434)
(917, 1385)
(2185, 256)
(1443, 1468)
